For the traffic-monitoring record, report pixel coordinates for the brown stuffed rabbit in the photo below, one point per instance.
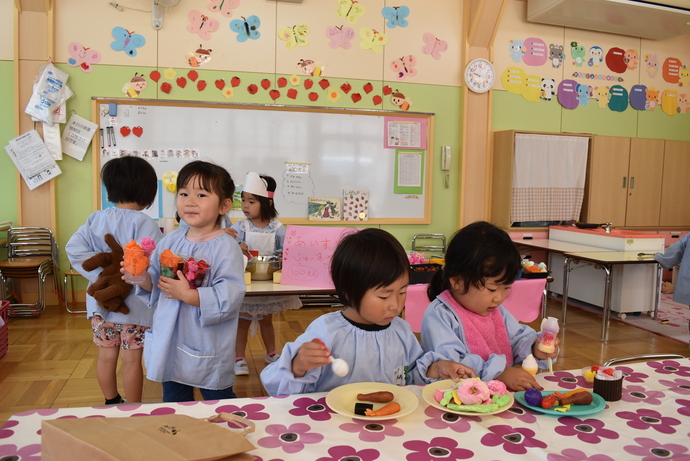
(109, 290)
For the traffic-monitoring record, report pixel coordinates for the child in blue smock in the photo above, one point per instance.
(192, 339)
(370, 271)
(466, 322)
(674, 255)
(130, 183)
(263, 233)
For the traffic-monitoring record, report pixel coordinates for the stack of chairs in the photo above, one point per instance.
(31, 253)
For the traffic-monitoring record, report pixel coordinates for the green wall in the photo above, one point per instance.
(8, 174)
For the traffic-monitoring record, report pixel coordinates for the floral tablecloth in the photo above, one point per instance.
(651, 422)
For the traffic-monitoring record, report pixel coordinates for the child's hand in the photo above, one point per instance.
(310, 355)
(231, 232)
(543, 355)
(445, 369)
(517, 379)
(179, 289)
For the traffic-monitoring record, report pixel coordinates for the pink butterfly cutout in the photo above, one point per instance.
(404, 67)
(340, 36)
(224, 7)
(82, 57)
(434, 46)
(202, 25)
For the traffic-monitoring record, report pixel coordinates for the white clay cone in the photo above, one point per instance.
(339, 366)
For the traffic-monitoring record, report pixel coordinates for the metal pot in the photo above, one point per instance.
(263, 267)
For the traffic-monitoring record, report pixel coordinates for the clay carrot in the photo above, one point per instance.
(389, 409)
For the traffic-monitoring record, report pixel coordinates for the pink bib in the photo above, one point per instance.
(484, 335)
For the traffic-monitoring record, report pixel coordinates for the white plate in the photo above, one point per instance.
(342, 400)
(429, 394)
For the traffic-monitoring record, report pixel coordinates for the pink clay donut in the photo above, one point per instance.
(473, 392)
(497, 387)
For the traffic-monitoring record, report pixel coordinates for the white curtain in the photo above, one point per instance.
(548, 177)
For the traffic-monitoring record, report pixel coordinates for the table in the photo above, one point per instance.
(654, 414)
(268, 288)
(606, 260)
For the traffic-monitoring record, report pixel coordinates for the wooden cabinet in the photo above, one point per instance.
(624, 181)
(675, 190)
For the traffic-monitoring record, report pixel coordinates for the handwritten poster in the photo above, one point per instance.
(307, 254)
(31, 157)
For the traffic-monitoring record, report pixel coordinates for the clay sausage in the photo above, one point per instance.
(383, 396)
(578, 398)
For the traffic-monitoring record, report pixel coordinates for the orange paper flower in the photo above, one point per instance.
(168, 258)
(135, 259)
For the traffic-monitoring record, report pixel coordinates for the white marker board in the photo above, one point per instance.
(339, 149)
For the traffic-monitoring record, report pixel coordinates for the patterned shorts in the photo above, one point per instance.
(126, 336)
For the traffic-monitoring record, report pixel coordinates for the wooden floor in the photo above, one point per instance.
(51, 359)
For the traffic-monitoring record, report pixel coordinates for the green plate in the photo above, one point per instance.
(598, 404)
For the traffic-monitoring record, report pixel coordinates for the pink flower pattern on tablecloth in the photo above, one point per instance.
(252, 411)
(373, 431)
(315, 409)
(158, 411)
(644, 418)
(679, 386)
(6, 429)
(640, 395)
(566, 380)
(684, 407)
(570, 454)
(291, 439)
(343, 452)
(525, 415)
(632, 376)
(651, 450)
(587, 430)
(439, 419)
(440, 448)
(28, 453)
(670, 367)
(515, 440)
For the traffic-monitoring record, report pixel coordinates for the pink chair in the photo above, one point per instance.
(527, 299)
(415, 305)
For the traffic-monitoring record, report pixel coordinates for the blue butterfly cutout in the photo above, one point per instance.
(246, 28)
(396, 15)
(127, 41)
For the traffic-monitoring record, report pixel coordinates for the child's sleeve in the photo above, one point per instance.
(78, 250)
(280, 239)
(278, 378)
(221, 299)
(673, 254)
(240, 231)
(522, 339)
(443, 333)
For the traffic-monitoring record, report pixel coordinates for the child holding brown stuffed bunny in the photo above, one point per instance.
(131, 184)
(465, 321)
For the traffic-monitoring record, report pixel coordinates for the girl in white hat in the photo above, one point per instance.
(261, 232)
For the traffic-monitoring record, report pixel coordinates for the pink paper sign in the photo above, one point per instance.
(307, 254)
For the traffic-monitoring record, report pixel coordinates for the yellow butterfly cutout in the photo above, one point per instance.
(350, 9)
(372, 40)
(170, 181)
(294, 36)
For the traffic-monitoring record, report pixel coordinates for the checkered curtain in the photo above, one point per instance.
(548, 177)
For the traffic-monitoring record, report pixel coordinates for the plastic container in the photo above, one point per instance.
(549, 331)
(136, 261)
(422, 273)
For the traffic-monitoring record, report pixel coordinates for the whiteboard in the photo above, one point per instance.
(339, 149)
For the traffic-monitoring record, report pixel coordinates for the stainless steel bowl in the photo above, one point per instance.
(263, 267)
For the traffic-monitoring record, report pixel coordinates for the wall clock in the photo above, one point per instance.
(480, 75)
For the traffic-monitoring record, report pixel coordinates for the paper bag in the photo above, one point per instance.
(160, 437)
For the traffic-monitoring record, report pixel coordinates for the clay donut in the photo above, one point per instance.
(473, 392)
(383, 396)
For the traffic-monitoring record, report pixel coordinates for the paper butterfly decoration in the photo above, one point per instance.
(350, 9)
(294, 36)
(396, 15)
(246, 28)
(224, 7)
(201, 24)
(372, 40)
(340, 36)
(82, 57)
(404, 67)
(434, 46)
(127, 41)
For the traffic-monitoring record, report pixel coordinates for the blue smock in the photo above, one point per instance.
(674, 255)
(392, 355)
(196, 345)
(125, 225)
(442, 332)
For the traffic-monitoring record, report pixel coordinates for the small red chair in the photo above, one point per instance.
(527, 299)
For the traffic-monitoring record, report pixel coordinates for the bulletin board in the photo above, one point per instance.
(310, 152)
